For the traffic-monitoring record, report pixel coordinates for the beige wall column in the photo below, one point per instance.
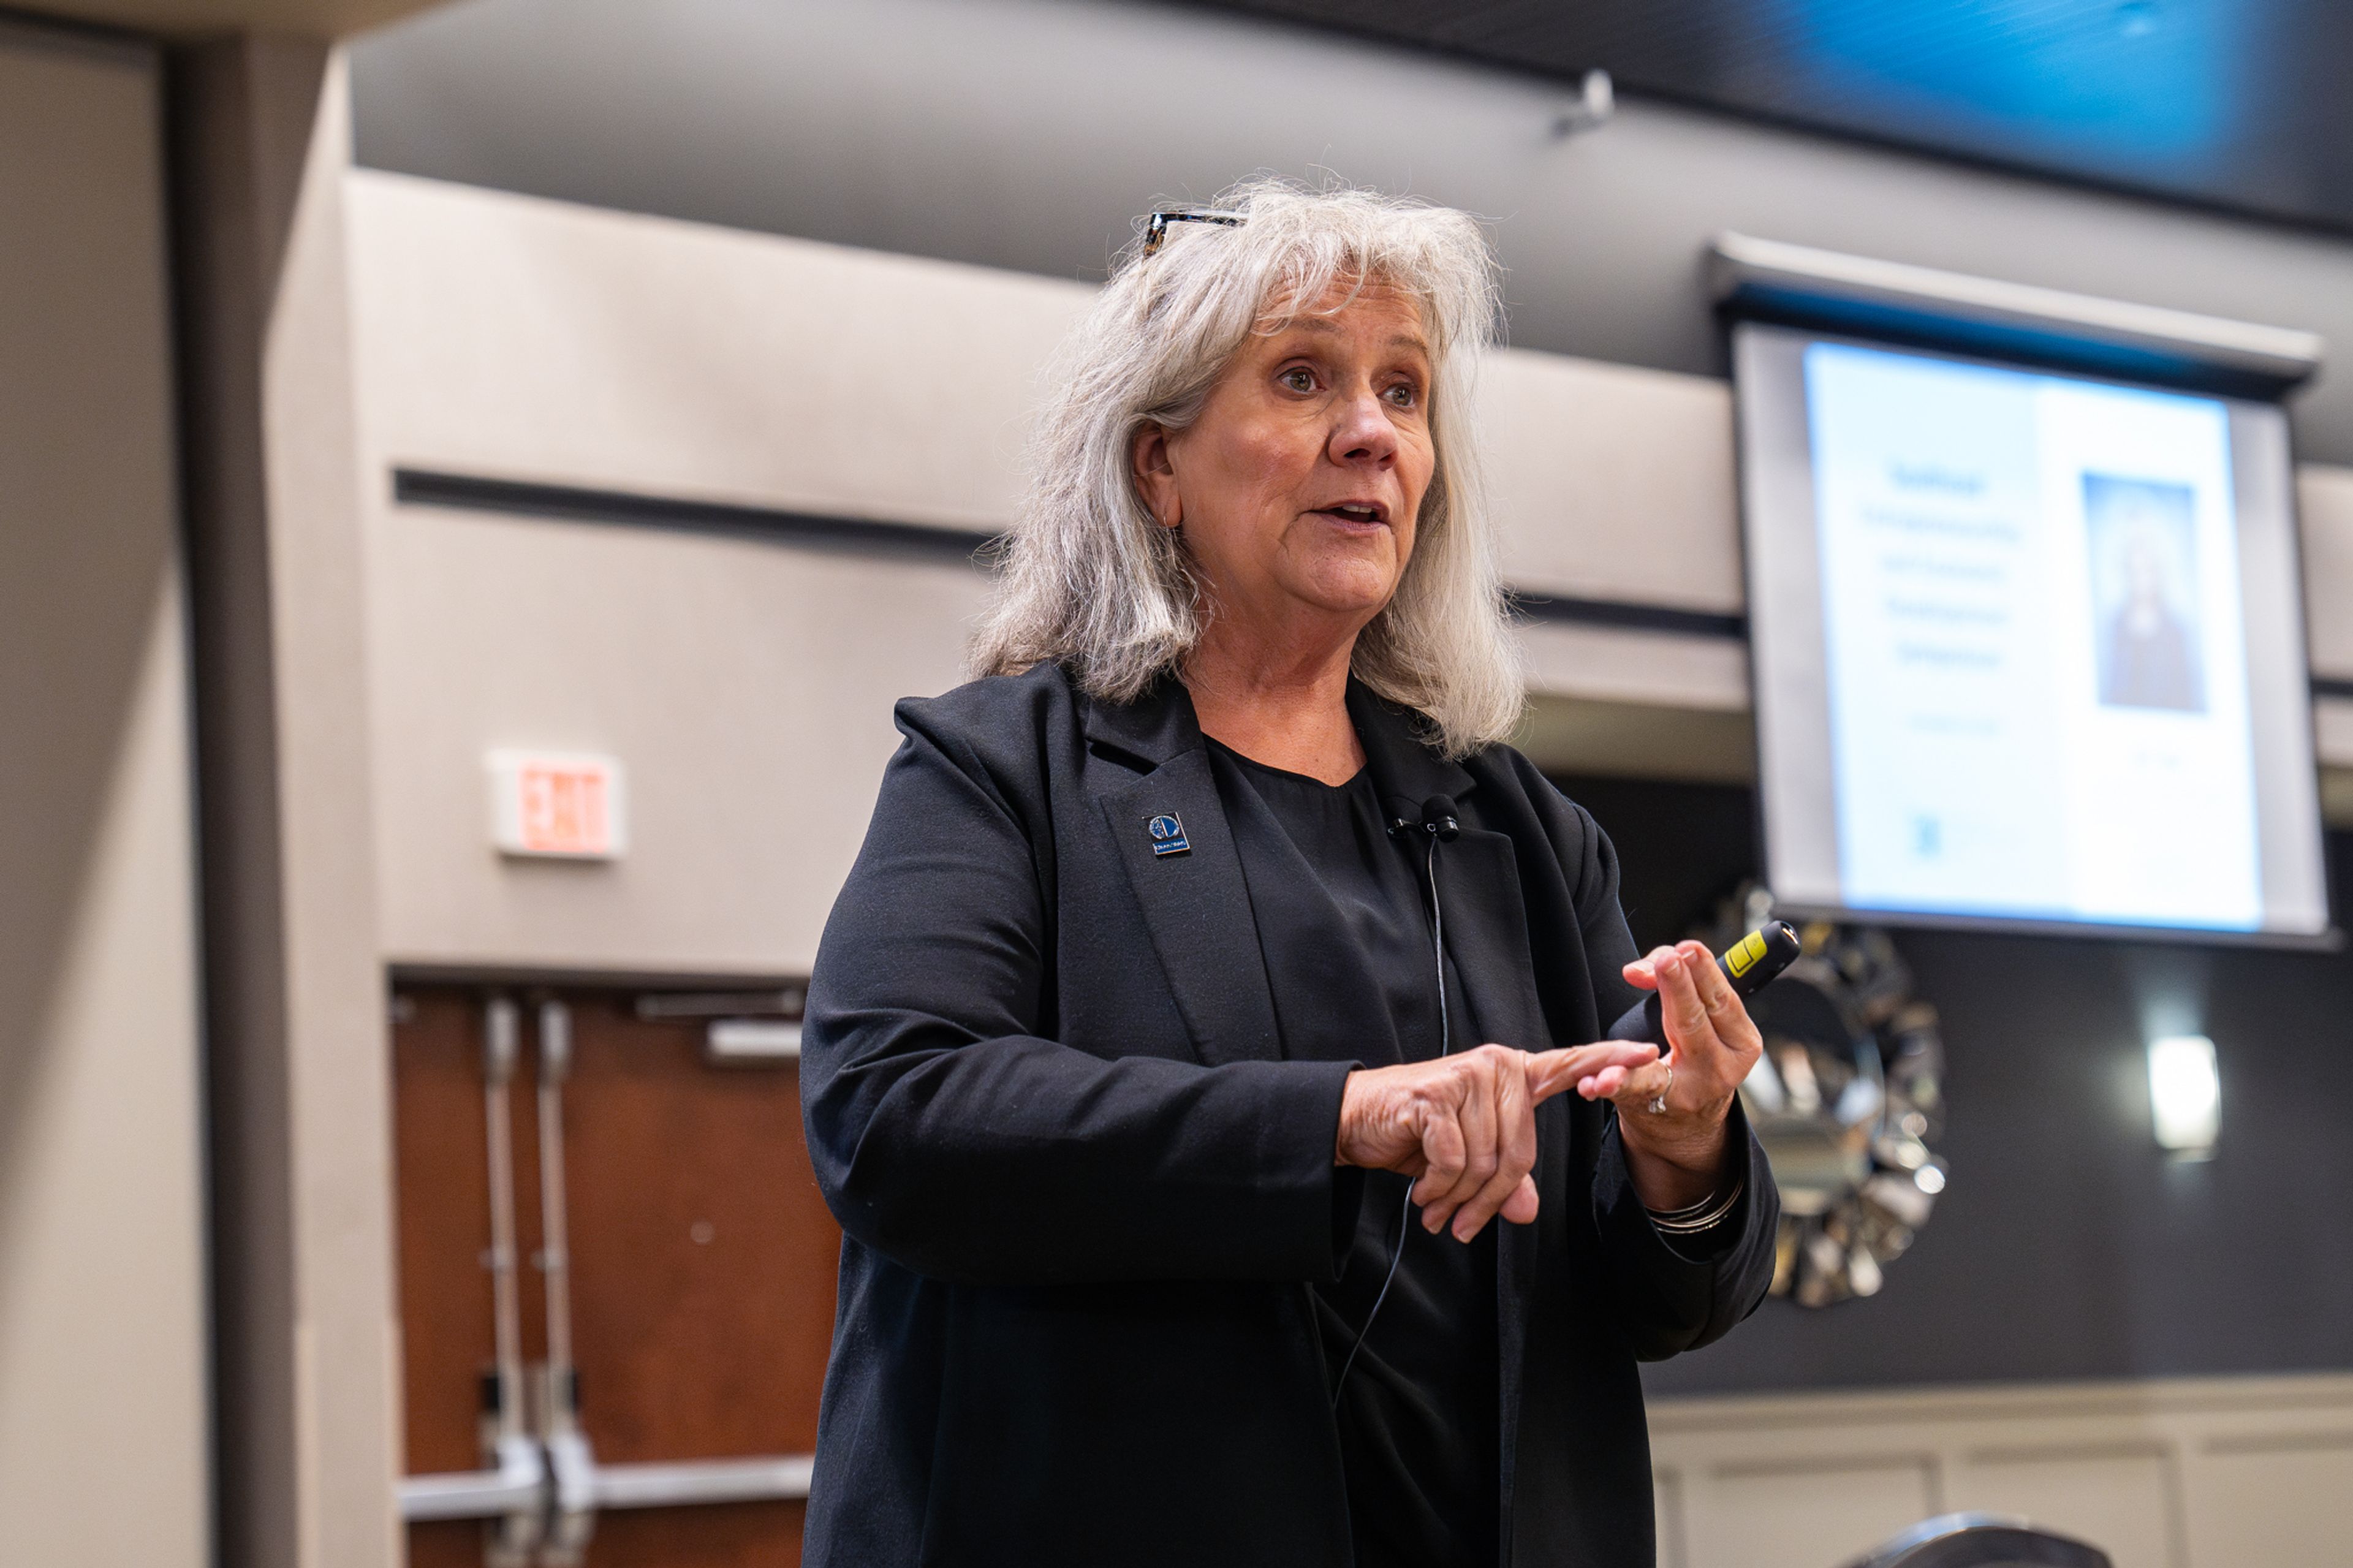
(102, 1354)
(302, 1154)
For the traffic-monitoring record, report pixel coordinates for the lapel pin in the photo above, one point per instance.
(1167, 831)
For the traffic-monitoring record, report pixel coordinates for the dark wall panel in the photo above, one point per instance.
(2067, 1246)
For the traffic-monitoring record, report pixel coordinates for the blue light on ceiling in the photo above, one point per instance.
(2134, 83)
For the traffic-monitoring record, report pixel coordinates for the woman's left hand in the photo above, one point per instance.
(1676, 1155)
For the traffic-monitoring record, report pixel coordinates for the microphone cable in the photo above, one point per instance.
(1747, 966)
(1445, 1044)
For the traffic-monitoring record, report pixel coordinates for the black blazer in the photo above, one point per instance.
(1083, 1193)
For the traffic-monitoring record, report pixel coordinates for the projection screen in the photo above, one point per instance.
(2028, 646)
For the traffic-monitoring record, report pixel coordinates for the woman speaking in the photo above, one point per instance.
(1198, 1058)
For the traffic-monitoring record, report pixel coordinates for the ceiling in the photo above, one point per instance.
(1027, 134)
(196, 18)
(2238, 104)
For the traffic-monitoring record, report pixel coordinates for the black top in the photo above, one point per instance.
(1345, 907)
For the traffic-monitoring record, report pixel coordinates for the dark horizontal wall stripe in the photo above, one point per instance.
(2331, 686)
(521, 498)
(1627, 616)
(573, 503)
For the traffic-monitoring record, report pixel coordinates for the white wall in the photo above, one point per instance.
(103, 1425)
(746, 684)
(746, 688)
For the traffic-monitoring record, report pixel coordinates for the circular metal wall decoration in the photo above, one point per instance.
(1847, 1100)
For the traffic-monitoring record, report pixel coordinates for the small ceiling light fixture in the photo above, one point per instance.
(2185, 1094)
(1596, 102)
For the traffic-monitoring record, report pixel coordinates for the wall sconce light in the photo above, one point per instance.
(2185, 1094)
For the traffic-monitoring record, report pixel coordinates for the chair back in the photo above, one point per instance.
(1981, 1541)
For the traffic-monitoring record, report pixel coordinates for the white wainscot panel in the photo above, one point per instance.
(2120, 1500)
(2283, 1500)
(1814, 1515)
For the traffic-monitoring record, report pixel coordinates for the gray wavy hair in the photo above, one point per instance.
(1088, 578)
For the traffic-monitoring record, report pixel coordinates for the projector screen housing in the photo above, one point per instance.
(2028, 646)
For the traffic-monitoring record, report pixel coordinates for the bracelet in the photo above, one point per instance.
(1705, 1214)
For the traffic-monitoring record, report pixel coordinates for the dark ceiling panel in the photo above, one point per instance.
(2239, 104)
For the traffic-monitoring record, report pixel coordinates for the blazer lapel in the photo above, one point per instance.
(1194, 903)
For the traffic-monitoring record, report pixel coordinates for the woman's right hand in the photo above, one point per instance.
(1465, 1125)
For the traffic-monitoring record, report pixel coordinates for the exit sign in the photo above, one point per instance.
(567, 805)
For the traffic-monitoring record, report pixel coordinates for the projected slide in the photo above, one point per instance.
(2031, 621)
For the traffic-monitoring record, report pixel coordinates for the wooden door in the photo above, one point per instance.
(700, 1268)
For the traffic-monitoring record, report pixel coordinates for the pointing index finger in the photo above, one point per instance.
(1553, 1072)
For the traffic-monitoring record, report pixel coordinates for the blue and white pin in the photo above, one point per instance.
(1167, 831)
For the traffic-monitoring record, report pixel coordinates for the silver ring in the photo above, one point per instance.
(1657, 1106)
